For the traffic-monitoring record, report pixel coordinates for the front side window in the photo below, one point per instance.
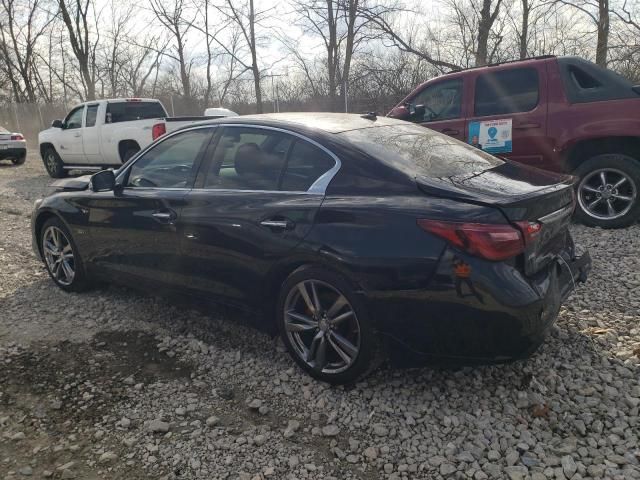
(171, 163)
(442, 101)
(508, 91)
(248, 159)
(92, 113)
(74, 119)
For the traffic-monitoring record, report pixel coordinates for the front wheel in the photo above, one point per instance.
(325, 327)
(61, 256)
(609, 191)
(53, 163)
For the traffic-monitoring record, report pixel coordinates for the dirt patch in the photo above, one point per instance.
(55, 398)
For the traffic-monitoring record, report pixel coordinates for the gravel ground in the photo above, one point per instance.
(114, 384)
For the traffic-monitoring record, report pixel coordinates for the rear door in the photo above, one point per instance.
(255, 200)
(441, 107)
(509, 113)
(136, 229)
(91, 134)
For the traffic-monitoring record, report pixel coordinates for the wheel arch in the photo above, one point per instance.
(586, 149)
(279, 273)
(39, 222)
(44, 146)
(125, 145)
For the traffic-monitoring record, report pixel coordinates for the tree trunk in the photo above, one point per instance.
(331, 55)
(602, 46)
(524, 33)
(254, 57)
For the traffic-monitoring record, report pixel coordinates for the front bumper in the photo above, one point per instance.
(12, 152)
(499, 315)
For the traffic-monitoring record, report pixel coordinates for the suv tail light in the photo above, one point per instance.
(17, 137)
(486, 240)
(158, 130)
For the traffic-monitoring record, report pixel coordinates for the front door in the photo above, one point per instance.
(509, 114)
(71, 148)
(439, 106)
(136, 229)
(254, 201)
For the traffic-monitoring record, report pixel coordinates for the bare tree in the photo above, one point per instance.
(80, 19)
(598, 12)
(172, 16)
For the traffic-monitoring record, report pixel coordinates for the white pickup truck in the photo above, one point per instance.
(104, 133)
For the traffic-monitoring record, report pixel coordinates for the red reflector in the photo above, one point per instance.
(17, 137)
(490, 241)
(158, 130)
(530, 230)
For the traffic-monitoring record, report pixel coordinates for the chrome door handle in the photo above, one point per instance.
(77, 135)
(282, 224)
(164, 216)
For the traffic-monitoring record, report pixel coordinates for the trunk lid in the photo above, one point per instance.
(523, 194)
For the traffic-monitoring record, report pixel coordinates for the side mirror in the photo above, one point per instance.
(400, 112)
(103, 181)
(417, 110)
(57, 124)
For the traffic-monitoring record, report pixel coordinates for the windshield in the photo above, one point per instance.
(418, 151)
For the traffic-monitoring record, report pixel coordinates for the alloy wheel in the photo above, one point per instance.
(606, 194)
(52, 162)
(58, 254)
(322, 326)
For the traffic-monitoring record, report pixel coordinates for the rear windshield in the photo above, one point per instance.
(418, 151)
(127, 111)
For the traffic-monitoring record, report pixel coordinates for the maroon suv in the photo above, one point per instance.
(563, 114)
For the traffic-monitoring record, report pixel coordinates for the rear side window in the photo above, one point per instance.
(306, 164)
(128, 111)
(582, 79)
(92, 113)
(417, 151)
(508, 91)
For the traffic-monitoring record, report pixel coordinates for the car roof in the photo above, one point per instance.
(325, 121)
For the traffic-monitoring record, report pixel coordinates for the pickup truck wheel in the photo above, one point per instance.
(609, 191)
(53, 163)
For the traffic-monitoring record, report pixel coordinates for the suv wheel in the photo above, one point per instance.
(61, 256)
(324, 326)
(53, 163)
(609, 191)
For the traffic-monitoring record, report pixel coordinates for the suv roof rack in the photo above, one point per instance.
(539, 57)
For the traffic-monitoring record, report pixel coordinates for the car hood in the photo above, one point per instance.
(75, 184)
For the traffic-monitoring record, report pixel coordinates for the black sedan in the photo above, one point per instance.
(354, 234)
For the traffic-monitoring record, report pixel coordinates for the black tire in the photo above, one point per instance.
(368, 353)
(616, 166)
(130, 152)
(53, 163)
(80, 281)
(19, 160)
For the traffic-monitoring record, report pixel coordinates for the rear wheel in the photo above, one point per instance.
(19, 160)
(61, 256)
(324, 326)
(53, 163)
(609, 191)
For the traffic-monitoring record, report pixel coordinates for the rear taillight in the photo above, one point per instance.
(486, 240)
(158, 130)
(17, 137)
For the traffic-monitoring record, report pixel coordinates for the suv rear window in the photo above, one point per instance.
(508, 91)
(127, 111)
(418, 151)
